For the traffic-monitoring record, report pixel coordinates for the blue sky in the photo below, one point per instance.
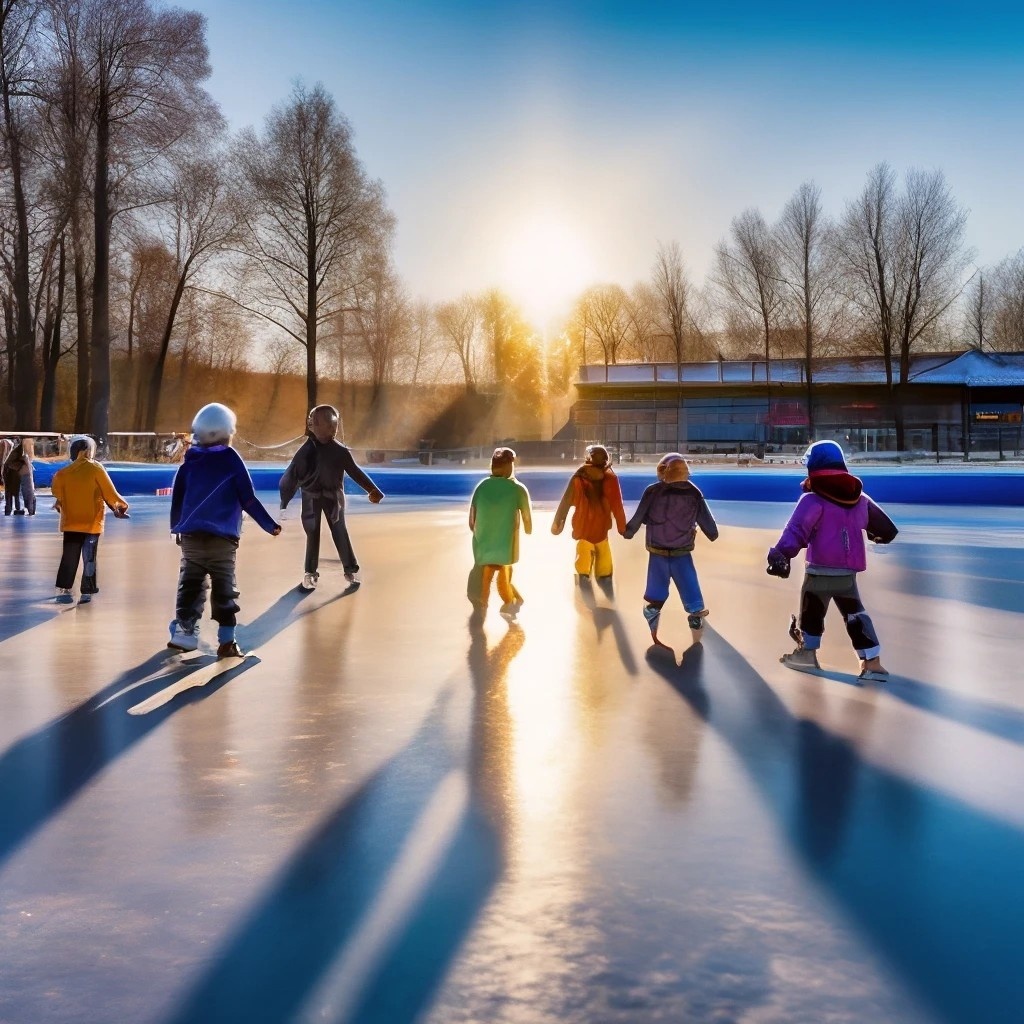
(625, 124)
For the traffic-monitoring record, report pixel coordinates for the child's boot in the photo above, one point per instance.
(871, 670)
(183, 638)
(652, 613)
(802, 660)
(696, 623)
(227, 645)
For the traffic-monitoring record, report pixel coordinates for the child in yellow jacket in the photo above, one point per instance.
(82, 491)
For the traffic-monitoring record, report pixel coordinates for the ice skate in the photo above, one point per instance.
(64, 596)
(652, 614)
(801, 660)
(509, 610)
(871, 670)
(696, 623)
(352, 579)
(183, 639)
(310, 580)
(85, 599)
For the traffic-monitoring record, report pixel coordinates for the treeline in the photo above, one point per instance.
(144, 246)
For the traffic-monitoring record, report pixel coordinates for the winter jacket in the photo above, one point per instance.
(596, 496)
(211, 489)
(319, 471)
(672, 513)
(84, 490)
(830, 520)
(497, 507)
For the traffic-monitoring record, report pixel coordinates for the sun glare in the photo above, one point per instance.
(545, 264)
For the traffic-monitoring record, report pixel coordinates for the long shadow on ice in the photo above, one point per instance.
(43, 771)
(996, 719)
(363, 921)
(934, 884)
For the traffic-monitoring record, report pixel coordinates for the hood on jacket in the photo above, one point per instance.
(836, 486)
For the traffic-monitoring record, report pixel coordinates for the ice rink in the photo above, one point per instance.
(393, 813)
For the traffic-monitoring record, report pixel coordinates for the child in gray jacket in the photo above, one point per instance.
(673, 509)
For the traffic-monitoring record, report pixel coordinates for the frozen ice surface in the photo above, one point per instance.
(395, 812)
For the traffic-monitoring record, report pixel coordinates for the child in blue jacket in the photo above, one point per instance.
(211, 490)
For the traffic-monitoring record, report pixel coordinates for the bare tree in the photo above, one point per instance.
(645, 339)
(54, 347)
(380, 315)
(672, 288)
(978, 310)
(460, 325)
(142, 68)
(310, 211)
(995, 305)
(601, 315)
(904, 259)
(201, 223)
(807, 275)
(747, 274)
(17, 72)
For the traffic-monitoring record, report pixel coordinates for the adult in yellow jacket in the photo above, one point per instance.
(83, 491)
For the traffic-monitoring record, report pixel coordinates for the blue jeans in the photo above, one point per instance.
(680, 570)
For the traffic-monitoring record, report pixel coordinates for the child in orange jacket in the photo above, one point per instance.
(594, 492)
(82, 491)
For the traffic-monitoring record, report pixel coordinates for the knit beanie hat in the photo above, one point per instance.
(824, 456)
(680, 470)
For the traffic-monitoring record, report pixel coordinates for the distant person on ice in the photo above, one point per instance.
(82, 493)
(499, 504)
(830, 521)
(19, 480)
(6, 447)
(594, 492)
(212, 487)
(318, 469)
(672, 510)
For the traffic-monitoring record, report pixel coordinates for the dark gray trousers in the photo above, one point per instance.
(203, 557)
(312, 513)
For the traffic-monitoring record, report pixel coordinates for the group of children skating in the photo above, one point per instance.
(830, 520)
(212, 489)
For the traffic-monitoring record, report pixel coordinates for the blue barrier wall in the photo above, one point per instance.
(912, 485)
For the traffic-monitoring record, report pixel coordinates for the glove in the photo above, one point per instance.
(778, 564)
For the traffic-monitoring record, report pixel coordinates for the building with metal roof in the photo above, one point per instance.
(951, 402)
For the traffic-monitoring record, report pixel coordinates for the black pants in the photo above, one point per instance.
(79, 547)
(815, 595)
(205, 556)
(312, 513)
(17, 490)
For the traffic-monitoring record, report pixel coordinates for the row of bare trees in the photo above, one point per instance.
(134, 231)
(140, 242)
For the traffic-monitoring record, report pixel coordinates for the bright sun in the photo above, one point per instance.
(544, 265)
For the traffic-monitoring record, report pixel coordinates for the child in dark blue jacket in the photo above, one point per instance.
(211, 490)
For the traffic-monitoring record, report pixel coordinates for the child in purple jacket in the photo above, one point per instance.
(673, 509)
(830, 520)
